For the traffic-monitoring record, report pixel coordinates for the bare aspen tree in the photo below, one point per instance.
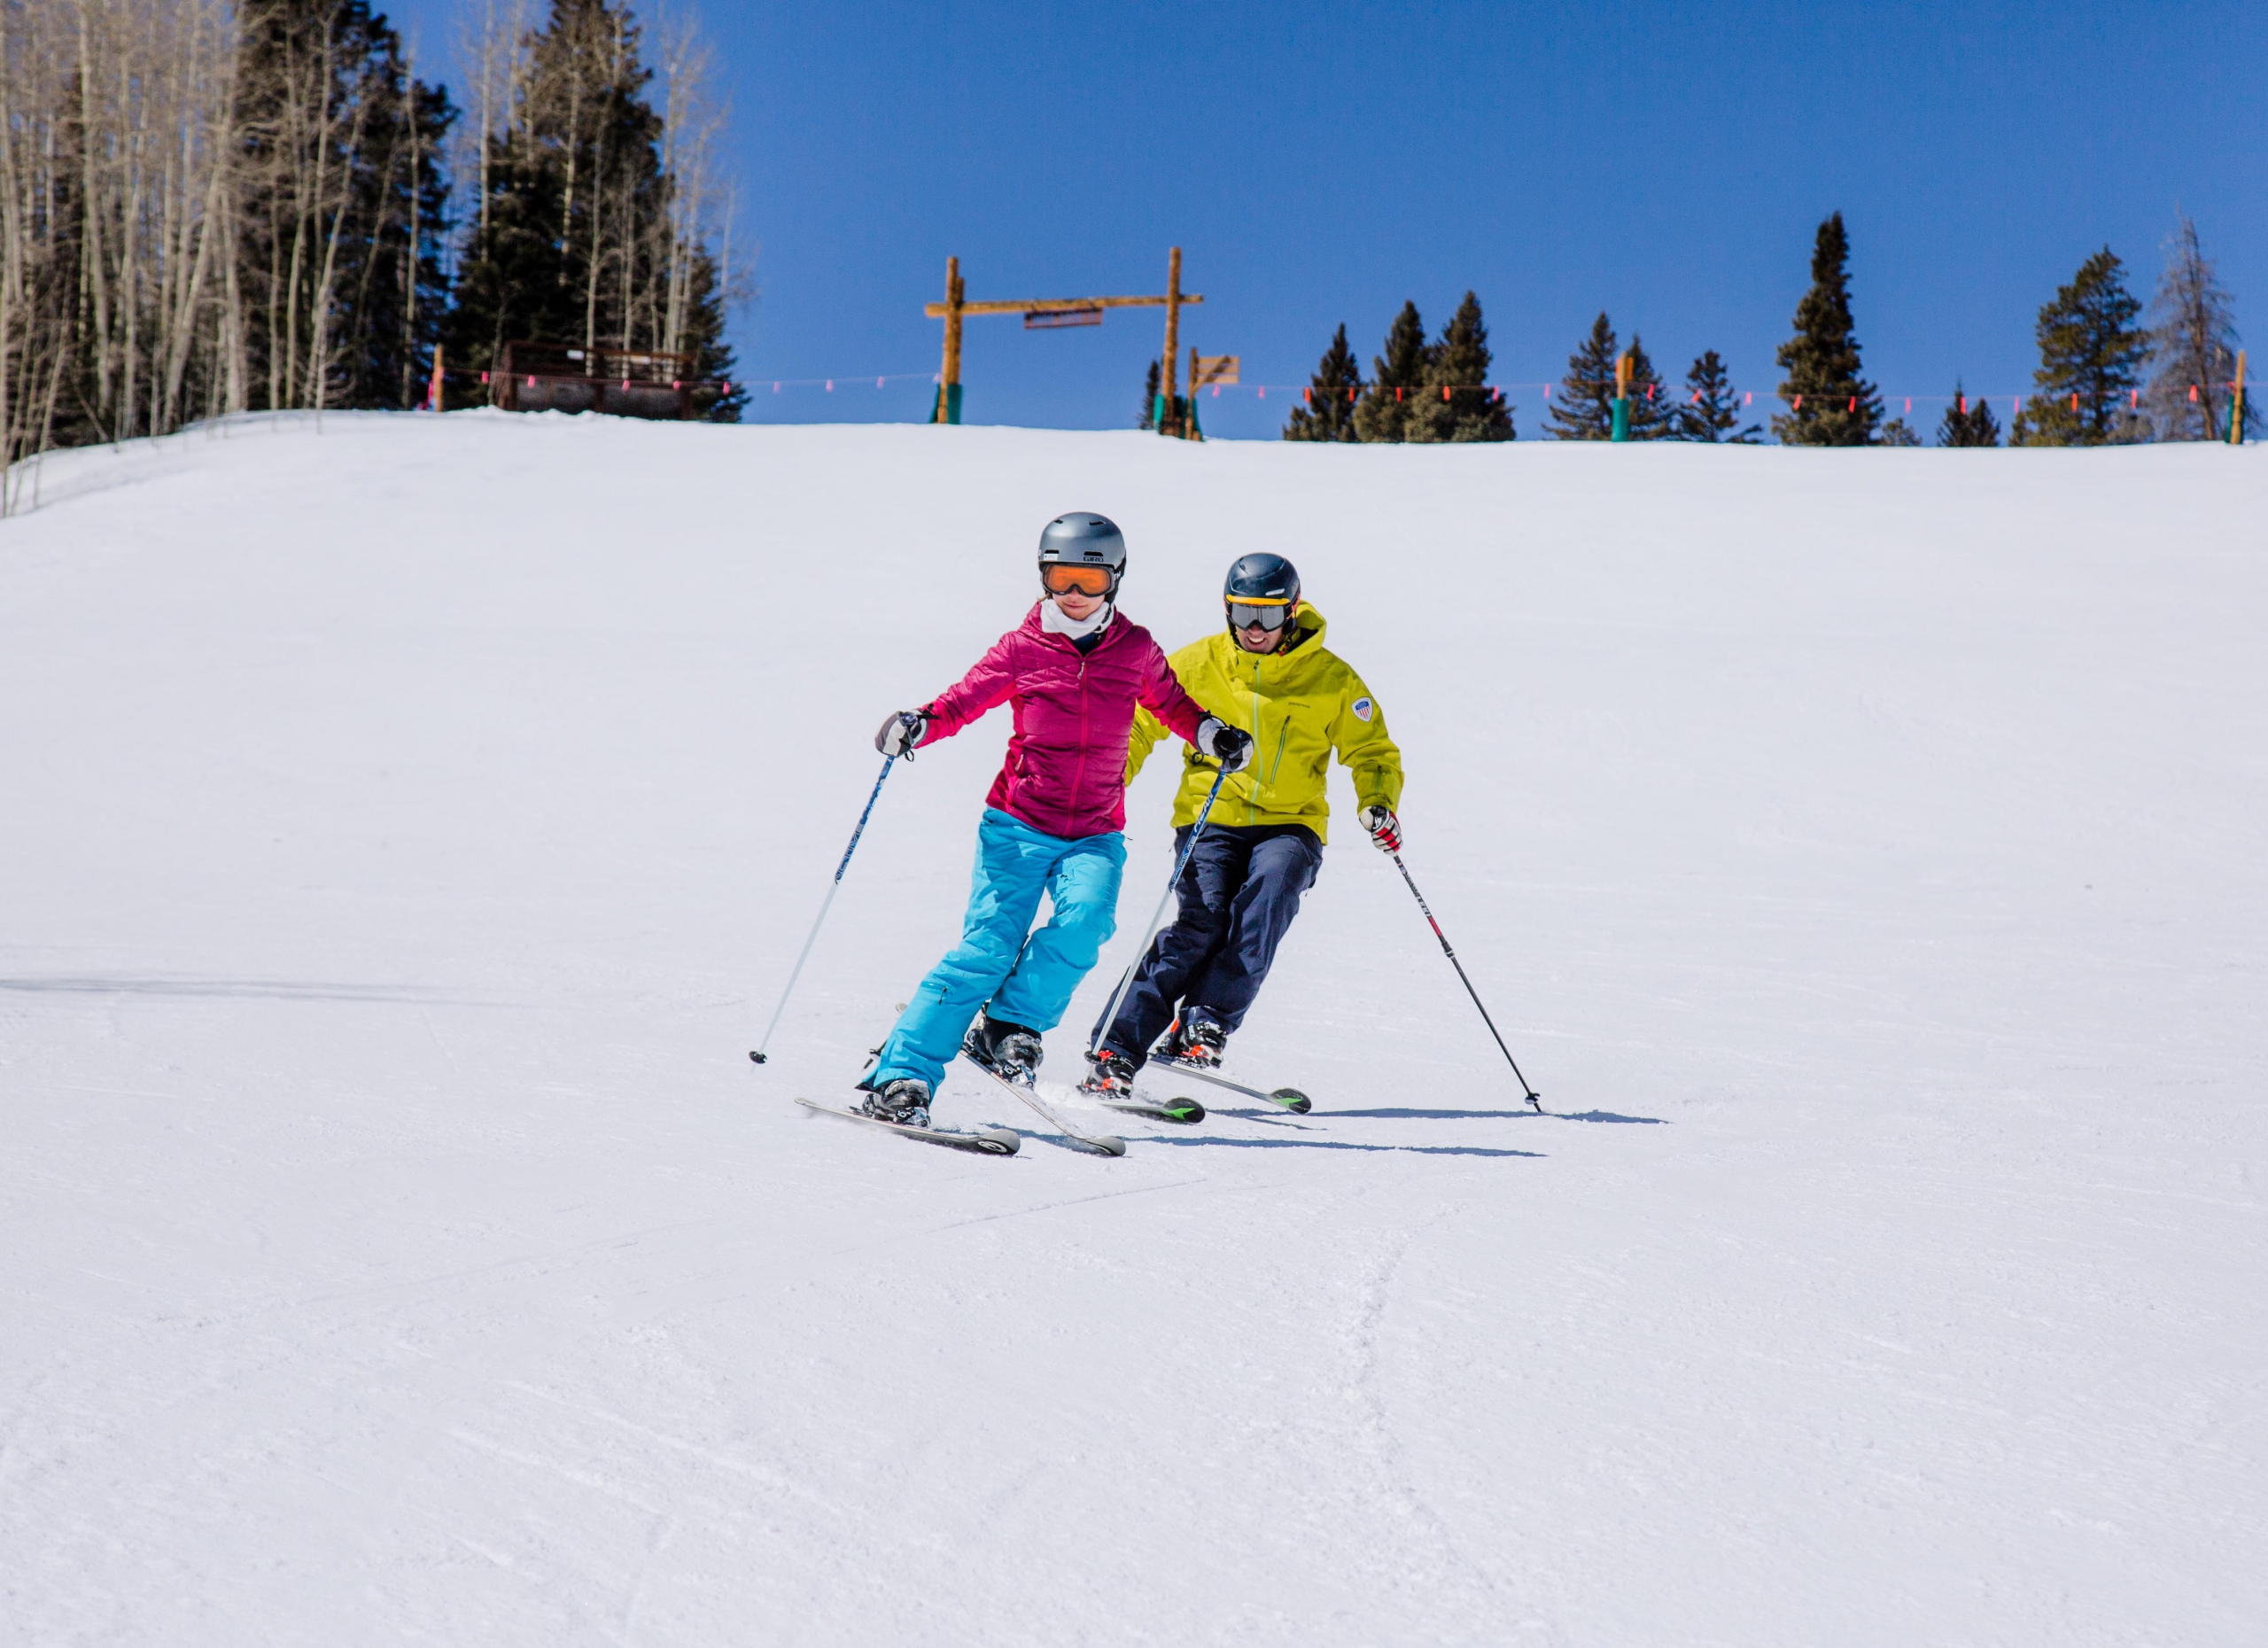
(2193, 344)
(198, 195)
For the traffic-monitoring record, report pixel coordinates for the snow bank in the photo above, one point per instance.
(411, 824)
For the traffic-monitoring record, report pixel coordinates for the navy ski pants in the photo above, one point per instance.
(1239, 893)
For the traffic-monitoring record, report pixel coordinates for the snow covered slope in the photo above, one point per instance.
(407, 828)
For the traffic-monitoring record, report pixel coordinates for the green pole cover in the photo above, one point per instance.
(1621, 431)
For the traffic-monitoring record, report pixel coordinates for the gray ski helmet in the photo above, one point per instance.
(1083, 540)
(1267, 579)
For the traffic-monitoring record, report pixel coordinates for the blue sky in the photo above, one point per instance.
(1667, 163)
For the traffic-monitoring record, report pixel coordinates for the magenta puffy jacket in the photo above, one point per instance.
(1066, 771)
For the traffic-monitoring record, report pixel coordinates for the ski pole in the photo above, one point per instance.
(1180, 864)
(1533, 1098)
(825, 903)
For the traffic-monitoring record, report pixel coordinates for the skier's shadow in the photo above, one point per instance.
(1504, 1116)
(1340, 1143)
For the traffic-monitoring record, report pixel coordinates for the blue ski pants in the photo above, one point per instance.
(1000, 965)
(1237, 896)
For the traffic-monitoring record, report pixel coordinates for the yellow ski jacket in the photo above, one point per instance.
(1299, 706)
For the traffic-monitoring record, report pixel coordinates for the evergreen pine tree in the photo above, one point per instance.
(1898, 433)
(2091, 354)
(580, 246)
(1457, 403)
(1395, 379)
(1712, 410)
(2193, 347)
(1150, 382)
(1652, 417)
(1328, 413)
(1584, 408)
(1830, 403)
(1969, 423)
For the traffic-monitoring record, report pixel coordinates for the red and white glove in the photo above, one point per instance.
(1386, 830)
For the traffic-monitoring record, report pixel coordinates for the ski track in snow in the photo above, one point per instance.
(412, 821)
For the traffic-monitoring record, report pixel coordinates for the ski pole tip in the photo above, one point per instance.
(756, 1055)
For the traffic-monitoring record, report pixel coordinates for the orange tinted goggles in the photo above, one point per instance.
(1059, 579)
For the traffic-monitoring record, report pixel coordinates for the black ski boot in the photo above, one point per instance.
(1006, 1049)
(1194, 1041)
(1110, 1075)
(905, 1101)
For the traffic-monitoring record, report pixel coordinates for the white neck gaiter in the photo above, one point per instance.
(1052, 621)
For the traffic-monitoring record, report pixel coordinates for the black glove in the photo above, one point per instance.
(1230, 746)
(901, 733)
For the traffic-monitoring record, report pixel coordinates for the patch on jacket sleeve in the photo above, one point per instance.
(1362, 707)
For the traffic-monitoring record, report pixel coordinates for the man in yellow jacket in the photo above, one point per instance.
(1269, 674)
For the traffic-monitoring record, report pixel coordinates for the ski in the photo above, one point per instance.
(1290, 1098)
(1184, 1112)
(1101, 1144)
(985, 1141)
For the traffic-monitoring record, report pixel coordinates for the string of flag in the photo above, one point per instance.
(1307, 392)
(1498, 392)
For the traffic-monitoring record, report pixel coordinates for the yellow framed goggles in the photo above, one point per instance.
(1266, 614)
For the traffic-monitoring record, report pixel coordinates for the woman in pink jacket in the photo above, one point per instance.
(1073, 672)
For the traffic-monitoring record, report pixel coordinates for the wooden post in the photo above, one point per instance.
(2236, 405)
(1620, 430)
(1169, 424)
(1195, 430)
(948, 407)
(433, 393)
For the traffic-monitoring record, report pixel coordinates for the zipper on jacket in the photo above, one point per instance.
(1079, 772)
(1252, 777)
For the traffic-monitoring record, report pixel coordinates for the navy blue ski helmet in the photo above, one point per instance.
(1263, 590)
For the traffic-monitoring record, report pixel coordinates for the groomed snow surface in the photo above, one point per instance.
(409, 825)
